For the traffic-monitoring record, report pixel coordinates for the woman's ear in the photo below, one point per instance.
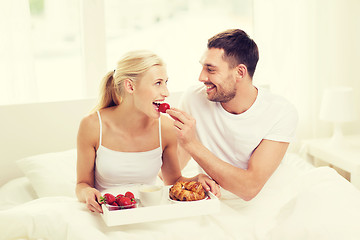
(129, 85)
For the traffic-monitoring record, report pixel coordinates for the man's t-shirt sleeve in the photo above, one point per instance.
(285, 128)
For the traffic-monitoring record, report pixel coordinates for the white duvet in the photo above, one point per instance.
(66, 218)
(316, 204)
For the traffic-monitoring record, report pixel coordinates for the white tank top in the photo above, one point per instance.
(114, 168)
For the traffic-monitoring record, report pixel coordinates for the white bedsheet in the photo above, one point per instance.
(315, 204)
(15, 192)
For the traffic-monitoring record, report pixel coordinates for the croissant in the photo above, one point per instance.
(187, 191)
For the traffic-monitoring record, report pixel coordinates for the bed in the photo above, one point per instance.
(37, 198)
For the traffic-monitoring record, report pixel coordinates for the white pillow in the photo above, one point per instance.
(51, 174)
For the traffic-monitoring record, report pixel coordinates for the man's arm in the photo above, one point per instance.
(244, 183)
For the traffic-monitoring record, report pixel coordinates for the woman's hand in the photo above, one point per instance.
(92, 198)
(209, 184)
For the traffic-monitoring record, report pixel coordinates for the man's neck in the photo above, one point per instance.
(245, 97)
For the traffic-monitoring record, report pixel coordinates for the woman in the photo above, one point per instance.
(126, 140)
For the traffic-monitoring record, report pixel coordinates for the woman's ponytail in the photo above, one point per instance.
(108, 96)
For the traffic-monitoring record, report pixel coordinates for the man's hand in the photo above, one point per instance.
(185, 126)
(209, 184)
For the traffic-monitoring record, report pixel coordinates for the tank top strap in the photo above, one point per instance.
(98, 113)
(160, 133)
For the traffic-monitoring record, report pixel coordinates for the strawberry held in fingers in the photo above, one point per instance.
(163, 107)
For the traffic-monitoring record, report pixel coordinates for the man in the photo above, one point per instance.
(236, 132)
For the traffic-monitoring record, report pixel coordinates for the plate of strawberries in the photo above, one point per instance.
(120, 201)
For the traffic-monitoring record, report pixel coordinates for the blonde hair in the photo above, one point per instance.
(131, 66)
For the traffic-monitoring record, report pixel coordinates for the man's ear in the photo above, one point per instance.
(129, 85)
(241, 71)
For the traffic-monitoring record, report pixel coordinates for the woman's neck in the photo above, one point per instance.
(131, 120)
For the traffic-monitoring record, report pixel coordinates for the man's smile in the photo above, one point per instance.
(209, 87)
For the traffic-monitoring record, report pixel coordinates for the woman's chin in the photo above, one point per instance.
(155, 114)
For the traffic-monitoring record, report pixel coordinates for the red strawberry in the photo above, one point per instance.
(108, 198)
(163, 107)
(119, 195)
(124, 201)
(118, 200)
(130, 195)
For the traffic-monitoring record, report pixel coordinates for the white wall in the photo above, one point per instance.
(30, 129)
(94, 45)
(305, 47)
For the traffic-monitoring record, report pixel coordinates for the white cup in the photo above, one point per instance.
(150, 195)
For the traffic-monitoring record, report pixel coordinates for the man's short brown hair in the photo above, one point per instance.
(239, 48)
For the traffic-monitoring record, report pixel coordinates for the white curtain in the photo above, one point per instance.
(17, 75)
(306, 46)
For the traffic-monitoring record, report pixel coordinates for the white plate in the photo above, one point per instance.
(176, 201)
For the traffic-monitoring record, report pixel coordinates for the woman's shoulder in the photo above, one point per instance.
(93, 118)
(90, 120)
(89, 129)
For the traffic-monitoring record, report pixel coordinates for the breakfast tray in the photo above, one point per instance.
(167, 209)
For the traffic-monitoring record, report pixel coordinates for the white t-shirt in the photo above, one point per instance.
(233, 137)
